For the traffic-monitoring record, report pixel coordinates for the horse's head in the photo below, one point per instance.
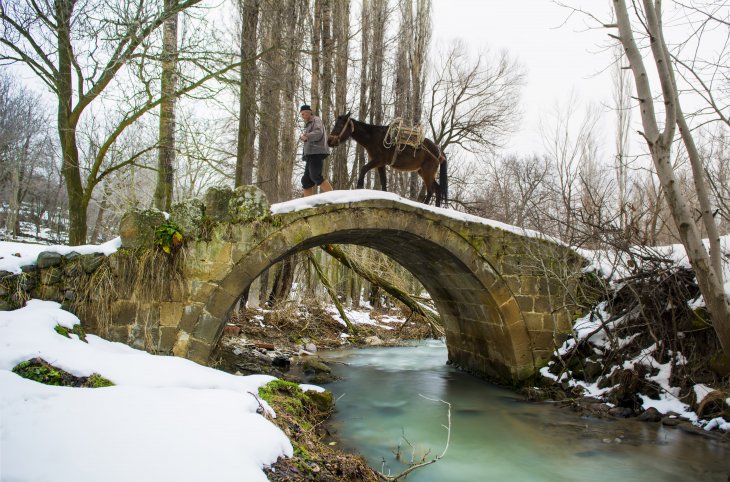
(341, 131)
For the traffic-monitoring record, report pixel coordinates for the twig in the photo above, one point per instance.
(423, 463)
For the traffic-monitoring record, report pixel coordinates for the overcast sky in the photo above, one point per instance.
(557, 55)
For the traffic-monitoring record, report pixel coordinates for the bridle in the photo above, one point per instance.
(344, 128)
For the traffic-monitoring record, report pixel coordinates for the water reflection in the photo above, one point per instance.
(495, 435)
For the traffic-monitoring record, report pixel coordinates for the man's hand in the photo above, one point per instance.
(303, 138)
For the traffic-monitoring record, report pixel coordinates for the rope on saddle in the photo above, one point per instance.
(400, 137)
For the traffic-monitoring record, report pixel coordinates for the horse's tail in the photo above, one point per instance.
(443, 180)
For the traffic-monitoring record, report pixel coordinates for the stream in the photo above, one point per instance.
(392, 397)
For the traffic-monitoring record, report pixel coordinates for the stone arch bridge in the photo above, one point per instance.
(504, 295)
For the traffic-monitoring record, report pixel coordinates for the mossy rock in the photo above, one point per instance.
(316, 365)
(188, 216)
(324, 401)
(217, 201)
(137, 228)
(91, 262)
(248, 203)
(244, 204)
(46, 259)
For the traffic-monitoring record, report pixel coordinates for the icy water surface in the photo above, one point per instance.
(495, 435)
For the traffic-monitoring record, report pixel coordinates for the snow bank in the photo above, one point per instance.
(166, 418)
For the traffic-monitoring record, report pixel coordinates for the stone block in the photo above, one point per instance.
(91, 262)
(51, 276)
(216, 204)
(188, 216)
(543, 340)
(511, 312)
(190, 316)
(248, 203)
(208, 327)
(170, 314)
(534, 321)
(50, 293)
(28, 281)
(124, 312)
(168, 338)
(199, 351)
(526, 303)
(119, 333)
(543, 304)
(180, 348)
(201, 290)
(137, 228)
(220, 303)
(46, 259)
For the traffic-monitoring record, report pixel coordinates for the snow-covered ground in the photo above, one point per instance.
(166, 418)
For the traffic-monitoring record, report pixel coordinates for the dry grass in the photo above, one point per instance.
(146, 276)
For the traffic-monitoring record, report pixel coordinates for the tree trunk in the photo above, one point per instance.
(166, 150)
(316, 38)
(270, 113)
(294, 13)
(247, 94)
(98, 225)
(365, 34)
(327, 53)
(341, 37)
(378, 19)
(659, 143)
(67, 127)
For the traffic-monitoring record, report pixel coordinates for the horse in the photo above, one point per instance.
(425, 159)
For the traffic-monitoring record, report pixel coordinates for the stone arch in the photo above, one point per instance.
(485, 329)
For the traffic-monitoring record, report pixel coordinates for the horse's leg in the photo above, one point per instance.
(383, 178)
(428, 170)
(363, 171)
(428, 181)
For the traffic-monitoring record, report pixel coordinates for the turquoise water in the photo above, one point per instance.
(495, 435)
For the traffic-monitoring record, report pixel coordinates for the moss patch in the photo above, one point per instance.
(300, 416)
(41, 371)
(76, 330)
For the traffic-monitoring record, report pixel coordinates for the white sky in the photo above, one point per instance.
(558, 56)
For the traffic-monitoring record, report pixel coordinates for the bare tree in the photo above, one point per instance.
(570, 144)
(512, 189)
(25, 153)
(474, 102)
(659, 141)
(78, 50)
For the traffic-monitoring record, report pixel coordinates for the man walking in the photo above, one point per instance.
(315, 152)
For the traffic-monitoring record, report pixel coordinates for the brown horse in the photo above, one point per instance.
(426, 159)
